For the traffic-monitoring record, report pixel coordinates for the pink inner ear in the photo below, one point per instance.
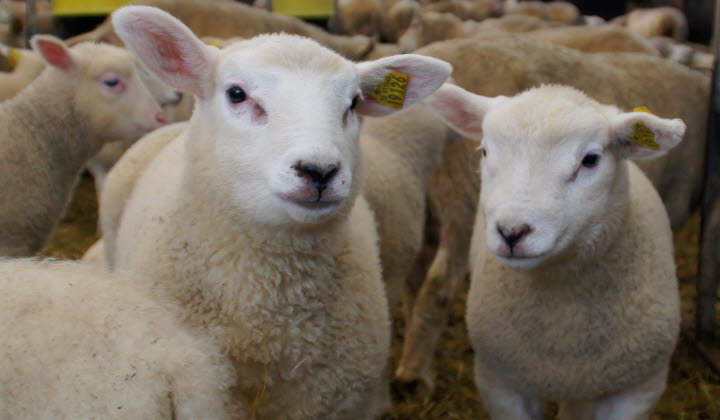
(172, 60)
(55, 54)
(458, 115)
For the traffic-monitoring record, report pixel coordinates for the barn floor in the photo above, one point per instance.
(693, 390)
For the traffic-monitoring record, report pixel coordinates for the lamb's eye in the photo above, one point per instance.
(236, 94)
(111, 82)
(484, 152)
(591, 160)
(354, 102)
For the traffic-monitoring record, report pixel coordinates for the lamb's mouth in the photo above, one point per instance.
(313, 205)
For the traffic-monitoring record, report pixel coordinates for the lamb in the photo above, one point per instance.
(476, 10)
(573, 294)
(508, 66)
(654, 22)
(430, 28)
(227, 19)
(358, 17)
(81, 343)
(251, 216)
(28, 65)
(395, 18)
(87, 93)
(400, 151)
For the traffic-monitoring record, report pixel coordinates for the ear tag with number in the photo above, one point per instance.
(391, 91)
(641, 135)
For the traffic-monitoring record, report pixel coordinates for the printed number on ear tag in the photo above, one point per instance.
(391, 91)
(641, 135)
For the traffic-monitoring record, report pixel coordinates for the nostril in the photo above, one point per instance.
(329, 173)
(514, 234)
(160, 117)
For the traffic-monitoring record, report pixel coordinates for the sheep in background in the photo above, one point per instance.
(656, 21)
(87, 94)
(24, 65)
(81, 343)
(253, 221)
(573, 294)
(227, 19)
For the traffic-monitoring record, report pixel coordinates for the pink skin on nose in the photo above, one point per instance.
(160, 117)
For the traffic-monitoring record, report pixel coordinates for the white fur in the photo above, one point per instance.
(583, 308)
(81, 343)
(286, 275)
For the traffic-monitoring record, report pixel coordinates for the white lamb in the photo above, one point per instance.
(86, 94)
(81, 343)
(573, 294)
(251, 216)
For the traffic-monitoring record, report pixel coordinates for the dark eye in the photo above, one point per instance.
(590, 160)
(354, 102)
(484, 152)
(111, 82)
(236, 94)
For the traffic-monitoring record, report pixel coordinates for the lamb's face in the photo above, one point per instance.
(277, 113)
(113, 97)
(286, 138)
(553, 180)
(547, 176)
(108, 92)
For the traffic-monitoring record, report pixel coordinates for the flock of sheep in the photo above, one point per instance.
(274, 211)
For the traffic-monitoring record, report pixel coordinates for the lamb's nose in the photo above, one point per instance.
(514, 234)
(319, 177)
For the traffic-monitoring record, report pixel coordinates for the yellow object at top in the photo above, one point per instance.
(85, 7)
(304, 8)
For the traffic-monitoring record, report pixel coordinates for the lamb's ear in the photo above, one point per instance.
(166, 47)
(394, 83)
(54, 52)
(463, 111)
(641, 135)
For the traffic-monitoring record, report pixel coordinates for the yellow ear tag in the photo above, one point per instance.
(641, 135)
(391, 91)
(13, 57)
(214, 43)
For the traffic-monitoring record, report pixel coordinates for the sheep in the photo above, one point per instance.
(573, 294)
(287, 278)
(465, 10)
(400, 151)
(79, 342)
(227, 19)
(395, 18)
(25, 67)
(508, 66)
(694, 56)
(28, 65)
(55, 125)
(358, 17)
(654, 22)
(555, 11)
(430, 28)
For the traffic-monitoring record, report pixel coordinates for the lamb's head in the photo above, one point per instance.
(553, 172)
(278, 114)
(108, 92)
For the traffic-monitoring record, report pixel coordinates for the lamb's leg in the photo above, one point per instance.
(453, 193)
(503, 403)
(635, 403)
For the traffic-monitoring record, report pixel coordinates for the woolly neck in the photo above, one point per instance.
(56, 131)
